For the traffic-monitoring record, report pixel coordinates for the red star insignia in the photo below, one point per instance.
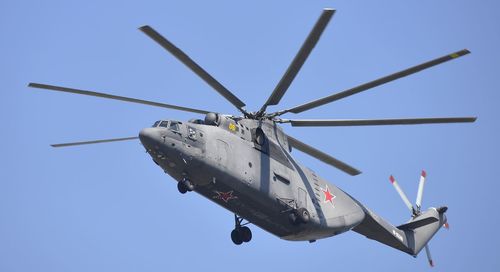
(224, 196)
(329, 197)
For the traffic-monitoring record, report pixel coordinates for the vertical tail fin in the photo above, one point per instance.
(420, 230)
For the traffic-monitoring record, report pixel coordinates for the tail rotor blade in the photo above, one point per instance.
(420, 192)
(446, 225)
(402, 194)
(429, 257)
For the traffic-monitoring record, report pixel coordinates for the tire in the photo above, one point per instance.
(188, 184)
(245, 234)
(303, 215)
(181, 187)
(236, 237)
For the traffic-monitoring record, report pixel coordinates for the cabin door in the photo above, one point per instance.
(222, 152)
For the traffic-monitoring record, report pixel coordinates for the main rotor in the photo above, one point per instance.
(280, 90)
(292, 71)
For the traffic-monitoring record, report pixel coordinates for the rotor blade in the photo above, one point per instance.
(375, 83)
(420, 192)
(429, 257)
(322, 156)
(115, 97)
(402, 194)
(446, 225)
(180, 55)
(375, 122)
(94, 142)
(299, 59)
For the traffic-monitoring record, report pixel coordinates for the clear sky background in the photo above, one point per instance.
(108, 207)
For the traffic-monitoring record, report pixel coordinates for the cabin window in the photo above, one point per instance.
(282, 179)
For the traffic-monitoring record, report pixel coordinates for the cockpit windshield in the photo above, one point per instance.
(164, 124)
(172, 125)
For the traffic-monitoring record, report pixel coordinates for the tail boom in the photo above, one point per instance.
(410, 237)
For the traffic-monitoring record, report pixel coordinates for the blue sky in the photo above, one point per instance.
(109, 207)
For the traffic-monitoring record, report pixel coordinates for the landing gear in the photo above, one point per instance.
(241, 233)
(298, 216)
(185, 185)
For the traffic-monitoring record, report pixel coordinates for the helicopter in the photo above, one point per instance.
(244, 162)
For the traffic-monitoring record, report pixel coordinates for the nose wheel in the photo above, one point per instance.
(185, 185)
(241, 233)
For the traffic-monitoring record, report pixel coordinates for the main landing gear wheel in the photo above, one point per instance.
(185, 186)
(241, 234)
(246, 234)
(236, 237)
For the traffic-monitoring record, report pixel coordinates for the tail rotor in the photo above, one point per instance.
(416, 210)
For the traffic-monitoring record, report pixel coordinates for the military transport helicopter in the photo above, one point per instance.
(244, 163)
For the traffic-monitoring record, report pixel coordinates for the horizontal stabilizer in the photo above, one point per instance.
(417, 223)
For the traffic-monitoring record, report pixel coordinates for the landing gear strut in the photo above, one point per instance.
(241, 233)
(185, 185)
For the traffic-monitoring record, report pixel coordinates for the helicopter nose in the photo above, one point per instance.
(149, 137)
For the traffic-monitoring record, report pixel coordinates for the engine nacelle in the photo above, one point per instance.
(212, 119)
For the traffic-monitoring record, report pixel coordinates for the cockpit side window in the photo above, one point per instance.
(164, 124)
(156, 124)
(174, 126)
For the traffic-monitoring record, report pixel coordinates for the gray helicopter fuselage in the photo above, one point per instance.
(257, 179)
(245, 164)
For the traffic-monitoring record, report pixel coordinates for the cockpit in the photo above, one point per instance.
(172, 125)
(211, 119)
